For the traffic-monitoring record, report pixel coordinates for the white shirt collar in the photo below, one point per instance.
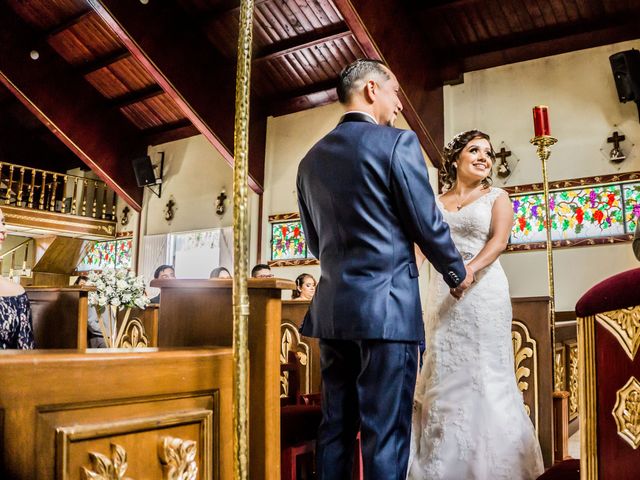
(363, 113)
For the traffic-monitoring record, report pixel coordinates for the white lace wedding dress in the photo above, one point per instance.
(469, 419)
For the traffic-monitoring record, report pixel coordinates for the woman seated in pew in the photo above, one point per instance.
(220, 272)
(16, 324)
(305, 287)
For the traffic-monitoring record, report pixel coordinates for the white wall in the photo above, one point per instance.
(579, 90)
(194, 175)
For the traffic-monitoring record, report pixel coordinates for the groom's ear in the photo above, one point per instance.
(370, 90)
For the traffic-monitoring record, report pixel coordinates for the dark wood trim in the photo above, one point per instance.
(581, 242)
(284, 217)
(260, 209)
(293, 263)
(573, 183)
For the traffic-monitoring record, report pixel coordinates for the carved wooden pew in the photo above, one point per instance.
(159, 408)
(200, 312)
(306, 348)
(60, 317)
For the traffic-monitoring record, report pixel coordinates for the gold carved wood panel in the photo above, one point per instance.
(572, 378)
(170, 447)
(559, 368)
(291, 341)
(525, 352)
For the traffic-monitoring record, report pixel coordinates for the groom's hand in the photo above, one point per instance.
(466, 283)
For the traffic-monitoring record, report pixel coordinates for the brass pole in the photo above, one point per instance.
(240, 246)
(543, 151)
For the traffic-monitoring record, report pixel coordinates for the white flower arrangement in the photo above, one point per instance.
(119, 288)
(116, 289)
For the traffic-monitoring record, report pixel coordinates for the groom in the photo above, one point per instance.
(365, 199)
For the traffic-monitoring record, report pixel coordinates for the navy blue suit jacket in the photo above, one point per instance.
(365, 199)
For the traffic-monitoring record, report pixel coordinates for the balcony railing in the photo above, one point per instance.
(38, 189)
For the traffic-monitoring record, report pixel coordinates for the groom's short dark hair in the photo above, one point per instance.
(355, 72)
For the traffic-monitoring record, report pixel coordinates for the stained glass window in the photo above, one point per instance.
(587, 212)
(113, 253)
(287, 241)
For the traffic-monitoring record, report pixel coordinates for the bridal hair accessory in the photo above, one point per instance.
(452, 143)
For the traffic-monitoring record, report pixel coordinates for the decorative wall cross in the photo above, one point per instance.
(616, 139)
(616, 154)
(220, 204)
(503, 167)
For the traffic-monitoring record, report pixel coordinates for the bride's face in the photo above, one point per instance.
(475, 160)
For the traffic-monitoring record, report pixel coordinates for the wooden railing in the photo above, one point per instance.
(44, 190)
(19, 251)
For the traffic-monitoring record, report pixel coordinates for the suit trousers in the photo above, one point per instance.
(367, 385)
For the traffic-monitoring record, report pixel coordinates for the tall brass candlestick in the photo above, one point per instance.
(543, 142)
(240, 246)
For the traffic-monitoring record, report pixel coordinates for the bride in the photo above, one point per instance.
(469, 419)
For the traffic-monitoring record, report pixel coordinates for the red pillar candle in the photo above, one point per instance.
(541, 121)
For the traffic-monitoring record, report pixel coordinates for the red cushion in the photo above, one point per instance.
(567, 470)
(614, 293)
(299, 423)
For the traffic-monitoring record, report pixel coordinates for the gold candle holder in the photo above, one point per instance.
(240, 244)
(543, 150)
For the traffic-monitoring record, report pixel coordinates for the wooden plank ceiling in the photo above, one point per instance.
(166, 86)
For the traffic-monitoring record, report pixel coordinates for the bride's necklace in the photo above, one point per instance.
(461, 200)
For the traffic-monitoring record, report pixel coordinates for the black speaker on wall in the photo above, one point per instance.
(143, 168)
(626, 73)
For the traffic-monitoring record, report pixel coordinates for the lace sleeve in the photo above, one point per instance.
(495, 193)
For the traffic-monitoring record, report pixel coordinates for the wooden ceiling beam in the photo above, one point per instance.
(103, 61)
(531, 49)
(379, 28)
(184, 64)
(300, 42)
(70, 22)
(170, 132)
(136, 96)
(305, 98)
(69, 107)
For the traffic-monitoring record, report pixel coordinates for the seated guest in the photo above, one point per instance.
(16, 324)
(636, 240)
(261, 270)
(220, 272)
(81, 280)
(163, 272)
(305, 287)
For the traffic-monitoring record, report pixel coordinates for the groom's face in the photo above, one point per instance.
(387, 101)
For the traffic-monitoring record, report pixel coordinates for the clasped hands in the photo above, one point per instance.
(458, 291)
